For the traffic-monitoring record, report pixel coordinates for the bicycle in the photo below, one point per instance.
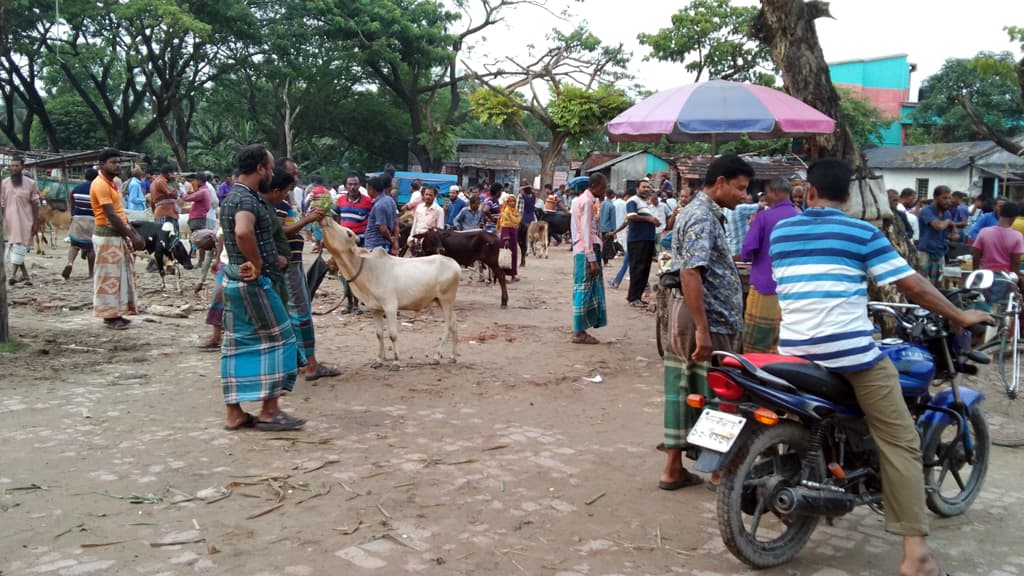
(1004, 347)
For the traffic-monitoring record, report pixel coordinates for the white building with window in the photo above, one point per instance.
(970, 167)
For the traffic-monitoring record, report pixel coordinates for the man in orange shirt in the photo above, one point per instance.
(164, 198)
(114, 241)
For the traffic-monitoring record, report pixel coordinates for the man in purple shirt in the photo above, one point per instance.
(762, 315)
(225, 187)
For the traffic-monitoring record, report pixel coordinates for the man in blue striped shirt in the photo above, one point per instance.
(821, 261)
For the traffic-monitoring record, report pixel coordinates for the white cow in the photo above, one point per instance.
(387, 284)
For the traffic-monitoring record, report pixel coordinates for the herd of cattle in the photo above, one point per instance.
(384, 284)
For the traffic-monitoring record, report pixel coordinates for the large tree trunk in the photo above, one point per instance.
(549, 158)
(787, 28)
(427, 162)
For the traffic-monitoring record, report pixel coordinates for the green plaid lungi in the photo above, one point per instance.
(931, 267)
(588, 308)
(258, 354)
(300, 311)
(683, 376)
(761, 323)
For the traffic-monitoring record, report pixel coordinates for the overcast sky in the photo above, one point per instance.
(927, 31)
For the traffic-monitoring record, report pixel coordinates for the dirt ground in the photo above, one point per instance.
(113, 459)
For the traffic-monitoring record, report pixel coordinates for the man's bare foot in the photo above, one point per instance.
(917, 560)
(919, 567)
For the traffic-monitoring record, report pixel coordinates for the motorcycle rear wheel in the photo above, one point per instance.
(949, 493)
(774, 453)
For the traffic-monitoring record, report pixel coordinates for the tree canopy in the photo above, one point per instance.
(713, 39)
(987, 83)
(568, 89)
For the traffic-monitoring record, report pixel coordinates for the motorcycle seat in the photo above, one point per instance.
(807, 377)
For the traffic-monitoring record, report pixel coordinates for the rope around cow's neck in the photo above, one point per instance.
(359, 271)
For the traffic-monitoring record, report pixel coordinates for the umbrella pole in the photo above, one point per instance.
(714, 144)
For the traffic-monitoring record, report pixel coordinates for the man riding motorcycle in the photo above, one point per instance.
(822, 260)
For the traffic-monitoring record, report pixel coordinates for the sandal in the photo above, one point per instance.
(249, 422)
(116, 324)
(323, 371)
(209, 346)
(690, 479)
(585, 339)
(281, 422)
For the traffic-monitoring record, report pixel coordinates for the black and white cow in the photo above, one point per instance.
(166, 247)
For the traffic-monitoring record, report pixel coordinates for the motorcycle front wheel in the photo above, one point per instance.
(750, 529)
(952, 482)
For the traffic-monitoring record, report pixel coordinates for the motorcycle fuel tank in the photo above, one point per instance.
(914, 363)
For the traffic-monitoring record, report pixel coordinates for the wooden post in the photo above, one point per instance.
(4, 330)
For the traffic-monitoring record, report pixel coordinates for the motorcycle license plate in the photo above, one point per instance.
(716, 430)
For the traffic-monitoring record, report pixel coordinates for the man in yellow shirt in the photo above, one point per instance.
(1018, 223)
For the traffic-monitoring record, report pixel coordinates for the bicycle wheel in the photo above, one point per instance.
(1006, 405)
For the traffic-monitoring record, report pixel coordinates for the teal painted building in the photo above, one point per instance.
(885, 82)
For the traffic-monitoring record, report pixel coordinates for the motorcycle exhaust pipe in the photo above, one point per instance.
(806, 501)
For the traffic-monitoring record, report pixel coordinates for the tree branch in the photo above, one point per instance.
(985, 130)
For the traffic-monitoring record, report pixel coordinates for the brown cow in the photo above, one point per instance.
(467, 247)
(536, 234)
(53, 221)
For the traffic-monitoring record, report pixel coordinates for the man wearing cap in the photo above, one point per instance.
(455, 205)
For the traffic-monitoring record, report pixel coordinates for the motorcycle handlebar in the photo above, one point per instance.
(889, 309)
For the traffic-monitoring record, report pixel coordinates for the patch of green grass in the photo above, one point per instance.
(12, 345)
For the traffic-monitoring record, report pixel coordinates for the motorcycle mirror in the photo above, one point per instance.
(979, 280)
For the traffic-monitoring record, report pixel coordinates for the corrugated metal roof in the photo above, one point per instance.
(615, 161)
(489, 163)
(498, 143)
(73, 159)
(950, 156)
(695, 167)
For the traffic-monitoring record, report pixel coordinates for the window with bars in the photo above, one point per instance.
(922, 188)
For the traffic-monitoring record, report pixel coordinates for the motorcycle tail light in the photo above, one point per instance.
(695, 401)
(766, 417)
(729, 407)
(723, 386)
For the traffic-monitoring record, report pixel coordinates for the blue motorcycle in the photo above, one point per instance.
(792, 447)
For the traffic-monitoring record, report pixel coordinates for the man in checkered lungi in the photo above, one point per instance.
(937, 228)
(259, 358)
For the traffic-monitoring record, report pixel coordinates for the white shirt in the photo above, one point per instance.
(912, 219)
(661, 212)
(620, 217)
(427, 217)
(298, 194)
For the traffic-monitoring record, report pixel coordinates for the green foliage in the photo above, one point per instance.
(863, 118)
(987, 81)
(713, 38)
(577, 111)
(496, 106)
(75, 125)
